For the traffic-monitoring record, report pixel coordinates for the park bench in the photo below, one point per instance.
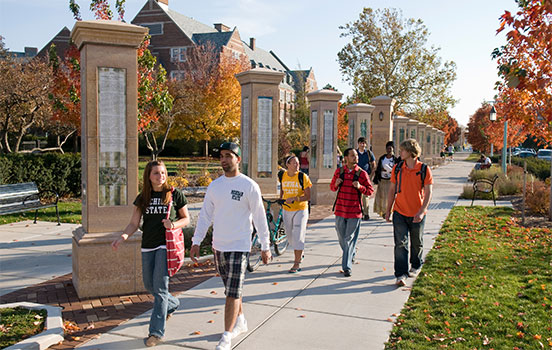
(17, 198)
(484, 185)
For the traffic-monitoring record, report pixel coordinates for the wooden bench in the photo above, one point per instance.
(17, 198)
(484, 186)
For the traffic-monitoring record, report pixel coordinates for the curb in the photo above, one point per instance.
(53, 330)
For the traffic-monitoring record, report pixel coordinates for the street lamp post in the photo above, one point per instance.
(492, 117)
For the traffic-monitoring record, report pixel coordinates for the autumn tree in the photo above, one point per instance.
(207, 95)
(342, 126)
(387, 55)
(525, 66)
(298, 132)
(478, 127)
(442, 121)
(24, 103)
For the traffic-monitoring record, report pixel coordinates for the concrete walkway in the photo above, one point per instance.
(316, 308)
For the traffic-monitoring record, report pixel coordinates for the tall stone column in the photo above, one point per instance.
(259, 126)
(360, 120)
(399, 130)
(412, 128)
(428, 149)
(109, 158)
(323, 162)
(382, 123)
(421, 138)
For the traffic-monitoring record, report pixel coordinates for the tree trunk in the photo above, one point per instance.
(207, 150)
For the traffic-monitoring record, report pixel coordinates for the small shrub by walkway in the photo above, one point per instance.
(486, 284)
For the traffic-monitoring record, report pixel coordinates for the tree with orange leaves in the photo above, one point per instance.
(342, 126)
(442, 121)
(478, 129)
(525, 64)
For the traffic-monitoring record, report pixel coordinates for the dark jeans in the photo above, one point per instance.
(402, 226)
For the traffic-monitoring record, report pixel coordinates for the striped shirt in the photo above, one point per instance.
(348, 205)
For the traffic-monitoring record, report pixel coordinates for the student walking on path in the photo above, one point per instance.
(152, 205)
(408, 198)
(367, 162)
(295, 189)
(350, 182)
(382, 178)
(231, 204)
(304, 160)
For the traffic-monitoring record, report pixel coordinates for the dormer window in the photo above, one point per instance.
(178, 54)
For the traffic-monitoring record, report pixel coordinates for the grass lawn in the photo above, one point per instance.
(17, 324)
(486, 284)
(69, 212)
(474, 157)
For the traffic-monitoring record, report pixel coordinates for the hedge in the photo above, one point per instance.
(50, 171)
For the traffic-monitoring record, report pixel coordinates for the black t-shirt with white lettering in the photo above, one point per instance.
(153, 230)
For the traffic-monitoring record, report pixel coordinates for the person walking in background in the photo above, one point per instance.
(231, 204)
(367, 162)
(408, 198)
(382, 177)
(295, 189)
(304, 160)
(350, 182)
(152, 205)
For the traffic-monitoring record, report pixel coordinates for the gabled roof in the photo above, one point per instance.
(218, 39)
(263, 59)
(188, 25)
(61, 40)
(299, 76)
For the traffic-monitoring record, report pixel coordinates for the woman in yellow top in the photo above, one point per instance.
(295, 189)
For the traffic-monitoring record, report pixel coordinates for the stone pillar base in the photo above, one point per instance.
(321, 193)
(98, 270)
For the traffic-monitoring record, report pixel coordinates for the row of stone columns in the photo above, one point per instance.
(430, 139)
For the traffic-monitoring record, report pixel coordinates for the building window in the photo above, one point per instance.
(178, 54)
(177, 74)
(282, 94)
(154, 28)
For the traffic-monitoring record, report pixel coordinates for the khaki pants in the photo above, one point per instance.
(365, 206)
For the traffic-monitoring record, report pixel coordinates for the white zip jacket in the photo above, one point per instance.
(232, 205)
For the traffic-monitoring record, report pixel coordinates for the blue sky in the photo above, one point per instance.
(305, 33)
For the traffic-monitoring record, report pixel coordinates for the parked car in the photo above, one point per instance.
(525, 154)
(528, 150)
(544, 154)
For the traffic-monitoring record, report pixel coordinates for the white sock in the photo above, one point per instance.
(241, 318)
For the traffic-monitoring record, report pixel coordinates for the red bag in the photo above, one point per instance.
(175, 246)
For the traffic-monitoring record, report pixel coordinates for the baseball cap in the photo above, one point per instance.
(231, 146)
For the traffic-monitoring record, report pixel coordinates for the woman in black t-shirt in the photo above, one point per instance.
(152, 205)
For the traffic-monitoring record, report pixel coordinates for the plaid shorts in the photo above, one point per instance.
(231, 268)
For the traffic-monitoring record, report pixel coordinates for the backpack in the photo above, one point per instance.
(356, 176)
(301, 176)
(398, 174)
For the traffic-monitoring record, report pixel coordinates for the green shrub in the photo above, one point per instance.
(538, 167)
(467, 193)
(50, 171)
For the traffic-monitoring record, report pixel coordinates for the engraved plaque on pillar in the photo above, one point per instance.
(112, 164)
(314, 138)
(264, 137)
(328, 138)
(246, 132)
(363, 129)
(351, 132)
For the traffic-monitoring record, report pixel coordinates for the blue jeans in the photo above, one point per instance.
(402, 225)
(156, 281)
(347, 234)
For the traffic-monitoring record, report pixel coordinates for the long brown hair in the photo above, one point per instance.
(147, 188)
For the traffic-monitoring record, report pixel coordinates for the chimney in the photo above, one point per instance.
(30, 51)
(252, 43)
(221, 27)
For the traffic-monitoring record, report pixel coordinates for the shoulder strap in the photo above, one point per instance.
(398, 176)
(280, 175)
(423, 173)
(342, 177)
(357, 175)
(301, 177)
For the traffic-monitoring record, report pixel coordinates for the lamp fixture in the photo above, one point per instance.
(381, 116)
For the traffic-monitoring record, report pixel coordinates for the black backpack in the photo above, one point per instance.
(398, 175)
(356, 176)
(301, 176)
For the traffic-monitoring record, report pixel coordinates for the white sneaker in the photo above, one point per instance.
(401, 281)
(225, 342)
(240, 326)
(414, 272)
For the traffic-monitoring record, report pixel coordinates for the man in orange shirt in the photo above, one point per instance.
(410, 192)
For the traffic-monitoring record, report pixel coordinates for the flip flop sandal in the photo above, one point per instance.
(293, 270)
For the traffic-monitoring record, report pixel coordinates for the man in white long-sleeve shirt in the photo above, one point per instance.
(231, 203)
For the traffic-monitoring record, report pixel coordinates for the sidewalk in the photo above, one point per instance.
(315, 309)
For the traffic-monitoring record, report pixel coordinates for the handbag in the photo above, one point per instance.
(175, 246)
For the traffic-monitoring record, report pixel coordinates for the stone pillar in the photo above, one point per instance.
(412, 128)
(360, 120)
(421, 137)
(260, 96)
(109, 158)
(323, 162)
(400, 130)
(434, 144)
(428, 150)
(382, 123)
